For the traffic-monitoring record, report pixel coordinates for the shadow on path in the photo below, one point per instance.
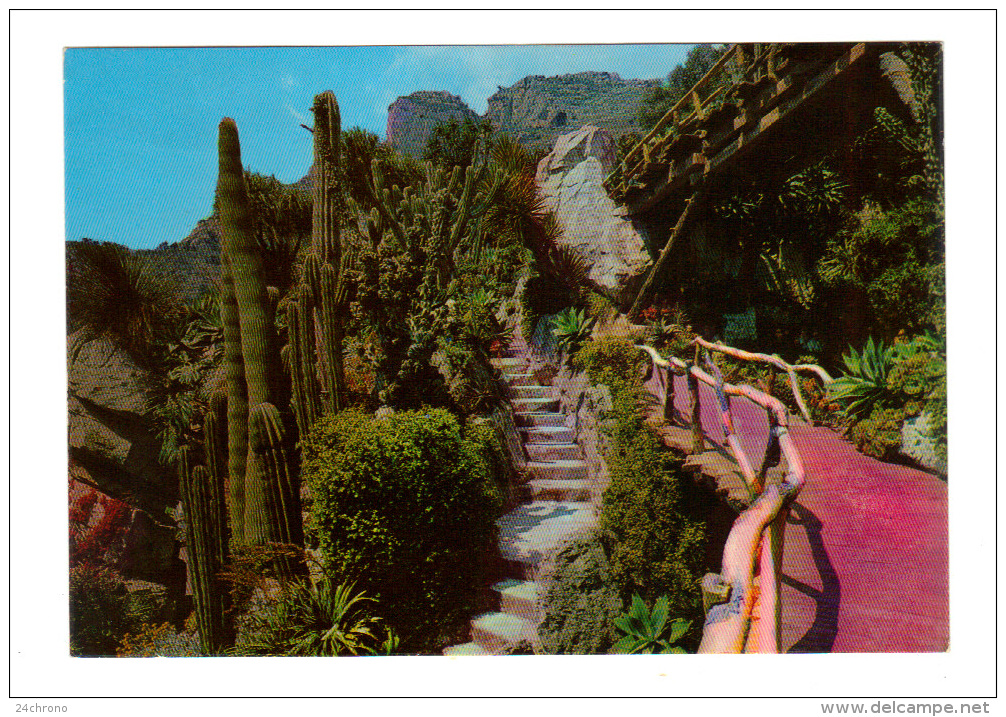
(820, 637)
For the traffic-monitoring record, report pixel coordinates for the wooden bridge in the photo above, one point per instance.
(760, 110)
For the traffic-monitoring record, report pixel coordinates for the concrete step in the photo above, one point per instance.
(519, 379)
(574, 489)
(539, 418)
(553, 451)
(558, 470)
(508, 362)
(546, 434)
(496, 632)
(537, 404)
(532, 531)
(465, 650)
(530, 391)
(519, 597)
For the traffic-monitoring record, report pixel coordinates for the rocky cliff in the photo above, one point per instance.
(537, 110)
(411, 119)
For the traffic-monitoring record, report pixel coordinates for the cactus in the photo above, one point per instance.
(316, 320)
(206, 541)
(277, 516)
(251, 320)
(237, 403)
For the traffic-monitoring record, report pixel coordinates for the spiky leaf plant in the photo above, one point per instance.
(114, 293)
(318, 619)
(572, 329)
(864, 387)
(647, 632)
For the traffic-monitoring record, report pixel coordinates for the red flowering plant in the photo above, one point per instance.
(668, 327)
(96, 523)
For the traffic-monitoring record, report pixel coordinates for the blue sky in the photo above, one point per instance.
(140, 124)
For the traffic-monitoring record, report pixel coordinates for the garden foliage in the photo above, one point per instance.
(404, 505)
(581, 601)
(656, 544)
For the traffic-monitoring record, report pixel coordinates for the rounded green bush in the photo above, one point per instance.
(404, 506)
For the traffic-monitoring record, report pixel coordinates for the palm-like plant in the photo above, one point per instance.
(318, 619)
(118, 294)
(864, 387)
(572, 329)
(646, 632)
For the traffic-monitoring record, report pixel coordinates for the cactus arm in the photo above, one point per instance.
(277, 516)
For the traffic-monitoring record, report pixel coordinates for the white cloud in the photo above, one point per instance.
(303, 119)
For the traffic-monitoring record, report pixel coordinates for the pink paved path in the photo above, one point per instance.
(865, 564)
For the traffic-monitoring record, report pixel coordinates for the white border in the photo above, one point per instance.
(38, 589)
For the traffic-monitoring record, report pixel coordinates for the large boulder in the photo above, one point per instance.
(570, 180)
(112, 443)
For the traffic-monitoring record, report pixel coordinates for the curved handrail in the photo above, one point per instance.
(790, 369)
(757, 534)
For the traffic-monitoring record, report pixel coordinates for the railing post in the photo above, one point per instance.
(698, 442)
(669, 396)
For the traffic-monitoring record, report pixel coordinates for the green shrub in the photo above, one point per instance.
(879, 435)
(893, 260)
(657, 548)
(102, 612)
(611, 361)
(581, 601)
(404, 506)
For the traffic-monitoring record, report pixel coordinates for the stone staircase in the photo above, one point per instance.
(556, 505)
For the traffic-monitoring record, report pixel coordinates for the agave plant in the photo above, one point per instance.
(318, 619)
(864, 387)
(646, 632)
(572, 329)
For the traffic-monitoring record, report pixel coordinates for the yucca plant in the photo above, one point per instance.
(572, 329)
(864, 387)
(318, 619)
(121, 295)
(648, 632)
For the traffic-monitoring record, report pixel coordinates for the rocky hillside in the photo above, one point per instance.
(411, 119)
(537, 110)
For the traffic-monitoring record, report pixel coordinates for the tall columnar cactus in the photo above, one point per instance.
(250, 491)
(316, 320)
(207, 549)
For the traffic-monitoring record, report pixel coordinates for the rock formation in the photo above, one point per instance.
(537, 110)
(113, 448)
(534, 111)
(412, 119)
(570, 178)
